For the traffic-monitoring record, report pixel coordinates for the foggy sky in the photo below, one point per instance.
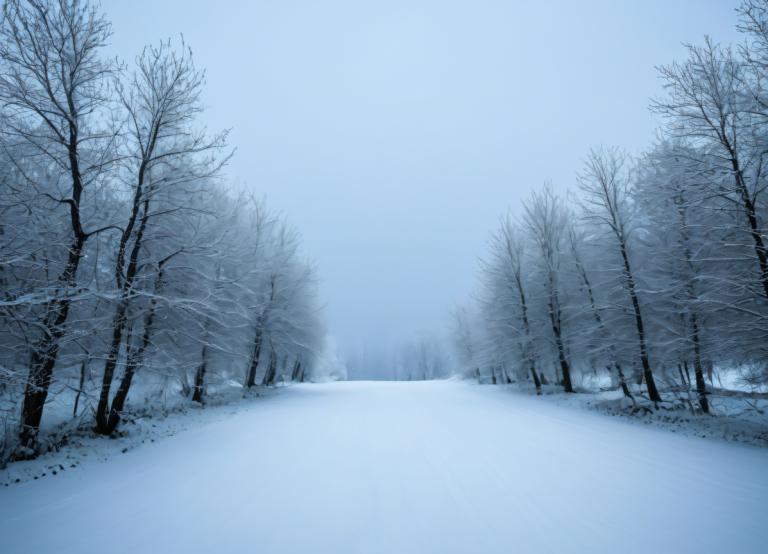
(395, 134)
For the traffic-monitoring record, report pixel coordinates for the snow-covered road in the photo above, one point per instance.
(435, 467)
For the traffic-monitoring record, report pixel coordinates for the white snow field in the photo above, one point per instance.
(427, 467)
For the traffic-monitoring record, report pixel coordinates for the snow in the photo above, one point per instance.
(382, 467)
(155, 410)
(738, 416)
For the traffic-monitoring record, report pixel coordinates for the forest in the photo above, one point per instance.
(125, 255)
(651, 274)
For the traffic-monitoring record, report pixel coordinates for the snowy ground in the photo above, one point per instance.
(429, 467)
(148, 419)
(736, 416)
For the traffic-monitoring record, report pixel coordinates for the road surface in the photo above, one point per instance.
(435, 467)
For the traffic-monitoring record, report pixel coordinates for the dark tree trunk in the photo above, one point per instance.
(271, 374)
(73, 89)
(507, 378)
(601, 326)
(536, 380)
(650, 382)
(134, 358)
(755, 231)
(554, 318)
(701, 387)
(81, 386)
(104, 416)
(199, 387)
(527, 328)
(258, 338)
(102, 410)
(198, 390)
(46, 351)
(623, 381)
(121, 395)
(564, 365)
(250, 379)
(687, 372)
(296, 370)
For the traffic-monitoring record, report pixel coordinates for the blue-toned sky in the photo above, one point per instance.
(394, 134)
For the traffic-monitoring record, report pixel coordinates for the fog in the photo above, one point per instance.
(395, 134)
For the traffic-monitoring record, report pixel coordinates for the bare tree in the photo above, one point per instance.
(506, 304)
(546, 220)
(575, 240)
(53, 86)
(161, 102)
(706, 107)
(606, 189)
(682, 247)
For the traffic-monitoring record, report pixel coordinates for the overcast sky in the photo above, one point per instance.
(394, 134)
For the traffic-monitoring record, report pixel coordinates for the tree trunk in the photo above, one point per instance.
(754, 227)
(650, 382)
(134, 358)
(81, 386)
(623, 381)
(527, 328)
(45, 353)
(250, 380)
(302, 373)
(106, 420)
(599, 320)
(102, 410)
(121, 395)
(296, 370)
(701, 387)
(199, 387)
(269, 376)
(536, 380)
(564, 365)
(554, 318)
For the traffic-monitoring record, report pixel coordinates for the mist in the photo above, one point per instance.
(395, 134)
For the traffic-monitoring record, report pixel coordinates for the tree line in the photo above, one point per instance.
(653, 273)
(123, 252)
